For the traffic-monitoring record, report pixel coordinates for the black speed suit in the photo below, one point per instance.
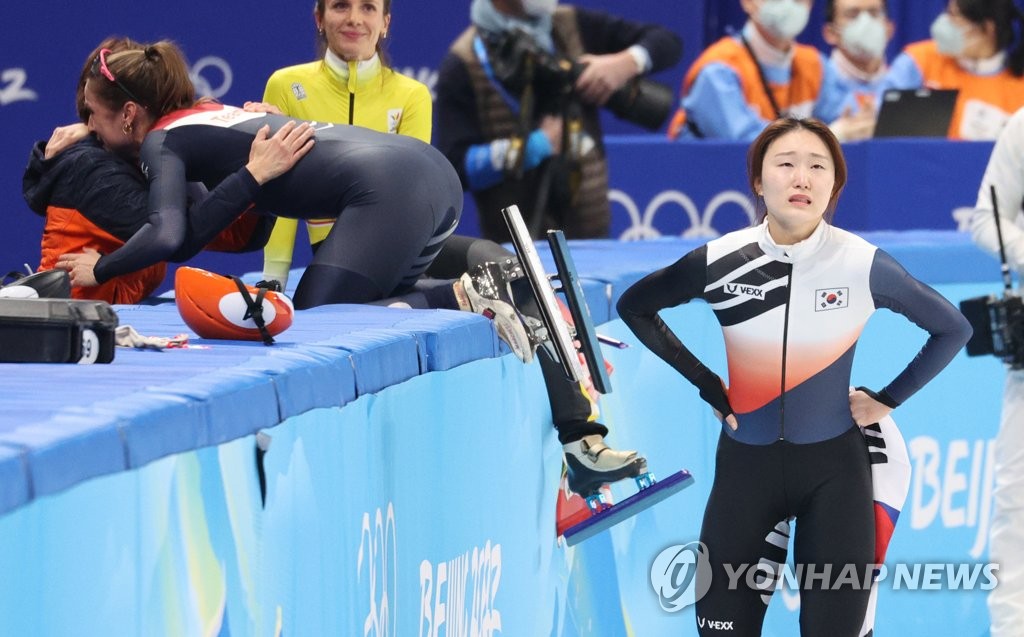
(395, 197)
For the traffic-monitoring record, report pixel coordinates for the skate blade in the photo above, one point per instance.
(562, 343)
(629, 507)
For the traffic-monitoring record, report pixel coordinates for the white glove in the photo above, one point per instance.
(126, 336)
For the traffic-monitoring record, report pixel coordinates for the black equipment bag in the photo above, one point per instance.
(56, 331)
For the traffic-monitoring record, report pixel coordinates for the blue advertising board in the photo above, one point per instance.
(234, 46)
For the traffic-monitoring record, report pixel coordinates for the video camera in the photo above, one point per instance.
(998, 327)
(998, 322)
(518, 61)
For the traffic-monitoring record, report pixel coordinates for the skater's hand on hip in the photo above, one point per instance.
(865, 409)
(729, 420)
(715, 393)
(272, 157)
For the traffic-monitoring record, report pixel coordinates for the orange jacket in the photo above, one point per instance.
(67, 230)
(1002, 90)
(804, 86)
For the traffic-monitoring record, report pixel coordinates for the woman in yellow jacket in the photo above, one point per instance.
(351, 84)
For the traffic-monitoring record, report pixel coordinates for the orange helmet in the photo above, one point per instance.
(218, 306)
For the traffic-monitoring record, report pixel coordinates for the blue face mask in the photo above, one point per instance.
(783, 18)
(865, 36)
(949, 38)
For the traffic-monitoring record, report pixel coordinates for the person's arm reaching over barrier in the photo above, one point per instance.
(173, 231)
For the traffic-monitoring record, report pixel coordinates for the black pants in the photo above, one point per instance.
(377, 246)
(826, 486)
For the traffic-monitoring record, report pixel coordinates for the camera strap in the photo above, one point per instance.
(521, 108)
(481, 53)
(556, 167)
(526, 106)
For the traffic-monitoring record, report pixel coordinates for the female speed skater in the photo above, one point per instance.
(792, 296)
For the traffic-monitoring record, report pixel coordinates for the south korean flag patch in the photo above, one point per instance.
(831, 299)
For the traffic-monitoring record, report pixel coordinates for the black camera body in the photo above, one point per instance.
(998, 323)
(517, 61)
(998, 327)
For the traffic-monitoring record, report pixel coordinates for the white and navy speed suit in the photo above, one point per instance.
(396, 199)
(791, 317)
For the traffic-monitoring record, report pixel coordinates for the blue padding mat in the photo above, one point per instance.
(66, 423)
(62, 424)
(14, 486)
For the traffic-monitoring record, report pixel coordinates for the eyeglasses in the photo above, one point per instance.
(854, 13)
(99, 65)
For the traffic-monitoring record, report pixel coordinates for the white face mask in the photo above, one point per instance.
(865, 37)
(539, 8)
(784, 18)
(949, 38)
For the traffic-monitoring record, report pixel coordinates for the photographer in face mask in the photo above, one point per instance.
(522, 128)
(976, 47)
(746, 80)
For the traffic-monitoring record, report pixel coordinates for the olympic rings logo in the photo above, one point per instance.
(203, 86)
(378, 550)
(701, 224)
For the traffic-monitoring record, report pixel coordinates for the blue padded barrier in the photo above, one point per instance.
(452, 507)
(71, 446)
(379, 357)
(14, 485)
(464, 350)
(147, 405)
(308, 378)
(232, 403)
(63, 424)
(153, 425)
(452, 347)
